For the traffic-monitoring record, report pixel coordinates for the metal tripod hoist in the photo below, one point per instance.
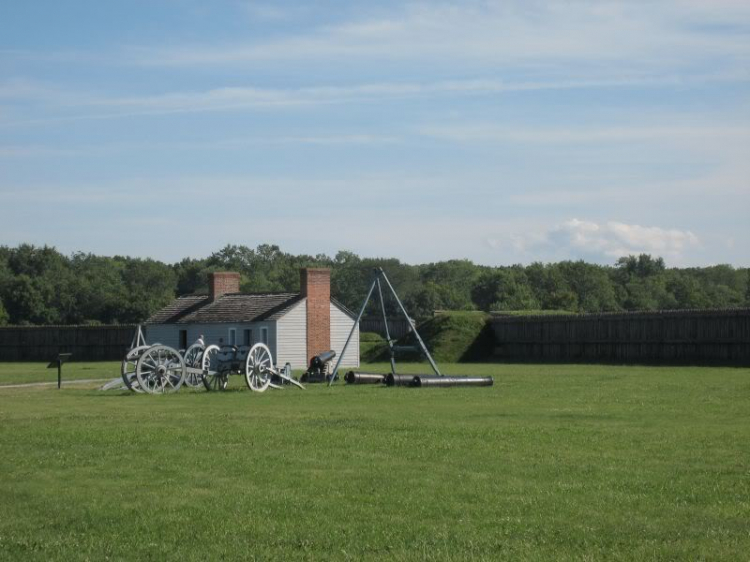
(378, 275)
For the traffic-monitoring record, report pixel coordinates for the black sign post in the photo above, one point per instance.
(61, 358)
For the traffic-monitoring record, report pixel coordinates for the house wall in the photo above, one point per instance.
(169, 334)
(287, 337)
(341, 325)
(291, 336)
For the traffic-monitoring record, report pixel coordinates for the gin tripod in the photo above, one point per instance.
(392, 349)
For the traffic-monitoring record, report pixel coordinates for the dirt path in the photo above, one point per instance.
(65, 383)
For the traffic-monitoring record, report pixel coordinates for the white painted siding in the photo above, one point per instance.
(169, 334)
(341, 325)
(292, 336)
(287, 337)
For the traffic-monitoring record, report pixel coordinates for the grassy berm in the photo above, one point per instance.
(555, 462)
(451, 337)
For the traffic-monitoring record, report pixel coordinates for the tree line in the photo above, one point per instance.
(39, 285)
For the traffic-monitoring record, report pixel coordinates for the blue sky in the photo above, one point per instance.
(502, 132)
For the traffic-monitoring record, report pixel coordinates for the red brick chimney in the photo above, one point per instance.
(223, 282)
(315, 284)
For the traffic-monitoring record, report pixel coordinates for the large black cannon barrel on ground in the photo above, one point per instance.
(317, 371)
(355, 377)
(322, 359)
(433, 380)
(400, 380)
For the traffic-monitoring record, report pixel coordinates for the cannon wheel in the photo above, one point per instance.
(128, 365)
(212, 378)
(160, 370)
(194, 358)
(258, 368)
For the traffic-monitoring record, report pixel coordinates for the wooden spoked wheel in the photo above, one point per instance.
(160, 370)
(128, 366)
(212, 378)
(194, 359)
(258, 368)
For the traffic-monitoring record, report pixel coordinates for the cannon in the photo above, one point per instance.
(255, 363)
(318, 369)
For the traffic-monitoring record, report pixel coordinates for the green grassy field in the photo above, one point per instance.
(555, 462)
(19, 373)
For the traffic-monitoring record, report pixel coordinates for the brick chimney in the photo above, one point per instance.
(223, 282)
(315, 284)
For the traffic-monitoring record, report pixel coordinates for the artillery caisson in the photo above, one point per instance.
(160, 369)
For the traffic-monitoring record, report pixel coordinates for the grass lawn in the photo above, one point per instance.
(19, 373)
(555, 462)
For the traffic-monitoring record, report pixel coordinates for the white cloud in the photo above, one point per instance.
(249, 97)
(240, 143)
(578, 238)
(504, 32)
(239, 97)
(583, 135)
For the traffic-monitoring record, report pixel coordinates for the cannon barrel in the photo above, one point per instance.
(322, 359)
(432, 380)
(400, 380)
(354, 377)
(317, 370)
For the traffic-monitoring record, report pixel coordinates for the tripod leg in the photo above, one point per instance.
(419, 339)
(387, 331)
(351, 333)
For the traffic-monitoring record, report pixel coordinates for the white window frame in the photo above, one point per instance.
(247, 336)
(232, 337)
(264, 335)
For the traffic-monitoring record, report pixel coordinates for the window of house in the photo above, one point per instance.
(183, 339)
(232, 336)
(248, 337)
(264, 335)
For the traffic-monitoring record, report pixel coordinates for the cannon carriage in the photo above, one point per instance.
(218, 363)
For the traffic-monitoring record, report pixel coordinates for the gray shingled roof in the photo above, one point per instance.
(233, 307)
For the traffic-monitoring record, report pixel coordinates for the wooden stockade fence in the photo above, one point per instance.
(86, 343)
(686, 336)
(397, 327)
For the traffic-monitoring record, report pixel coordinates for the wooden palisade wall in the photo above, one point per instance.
(690, 336)
(398, 326)
(86, 343)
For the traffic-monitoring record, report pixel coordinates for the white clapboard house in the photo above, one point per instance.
(295, 326)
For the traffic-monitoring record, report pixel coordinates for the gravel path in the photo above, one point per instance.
(65, 383)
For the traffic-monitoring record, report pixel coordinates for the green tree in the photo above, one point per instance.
(149, 286)
(192, 276)
(100, 294)
(452, 282)
(4, 317)
(27, 302)
(594, 290)
(686, 290)
(504, 289)
(550, 287)
(350, 280)
(641, 283)
(41, 289)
